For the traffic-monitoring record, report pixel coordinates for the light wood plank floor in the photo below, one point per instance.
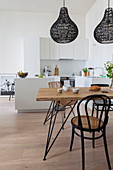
(23, 137)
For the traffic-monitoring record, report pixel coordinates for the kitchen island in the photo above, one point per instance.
(26, 90)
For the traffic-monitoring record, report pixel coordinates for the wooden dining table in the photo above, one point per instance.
(51, 94)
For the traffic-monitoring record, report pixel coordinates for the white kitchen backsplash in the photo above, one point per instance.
(66, 67)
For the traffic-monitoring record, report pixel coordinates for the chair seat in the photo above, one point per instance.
(100, 102)
(93, 121)
(64, 102)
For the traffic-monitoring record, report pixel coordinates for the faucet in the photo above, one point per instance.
(100, 73)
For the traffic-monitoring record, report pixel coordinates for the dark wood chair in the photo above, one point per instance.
(97, 104)
(57, 84)
(87, 123)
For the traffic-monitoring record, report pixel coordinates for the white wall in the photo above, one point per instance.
(14, 26)
(98, 53)
(66, 67)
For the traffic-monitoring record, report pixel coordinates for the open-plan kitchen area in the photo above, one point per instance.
(56, 84)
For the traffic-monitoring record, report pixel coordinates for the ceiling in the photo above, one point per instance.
(49, 6)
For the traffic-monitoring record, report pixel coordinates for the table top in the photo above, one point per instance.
(50, 94)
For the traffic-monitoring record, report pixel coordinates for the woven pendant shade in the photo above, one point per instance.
(64, 30)
(103, 33)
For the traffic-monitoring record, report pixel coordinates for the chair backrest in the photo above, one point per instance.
(54, 84)
(103, 116)
(100, 85)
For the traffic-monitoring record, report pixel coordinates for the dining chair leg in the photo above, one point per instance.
(72, 139)
(106, 149)
(83, 152)
(97, 111)
(93, 141)
(93, 109)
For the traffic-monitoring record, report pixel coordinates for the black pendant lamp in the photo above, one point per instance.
(64, 30)
(103, 33)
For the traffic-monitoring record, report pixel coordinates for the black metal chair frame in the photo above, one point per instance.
(102, 129)
(97, 106)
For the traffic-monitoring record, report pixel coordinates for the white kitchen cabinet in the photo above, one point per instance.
(26, 91)
(77, 50)
(44, 48)
(32, 55)
(66, 51)
(54, 49)
(81, 49)
(87, 81)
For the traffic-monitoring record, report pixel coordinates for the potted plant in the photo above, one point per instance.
(109, 69)
(85, 70)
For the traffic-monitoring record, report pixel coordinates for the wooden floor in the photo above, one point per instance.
(23, 137)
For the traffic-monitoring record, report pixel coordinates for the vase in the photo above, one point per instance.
(111, 85)
(85, 73)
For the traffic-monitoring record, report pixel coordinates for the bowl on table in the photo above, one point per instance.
(75, 90)
(59, 90)
(66, 88)
(22, 75)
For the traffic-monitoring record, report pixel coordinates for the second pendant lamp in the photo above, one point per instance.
(64, 30)
(103, 33)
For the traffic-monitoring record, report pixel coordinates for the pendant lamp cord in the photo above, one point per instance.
(63, 3)
(108, 3)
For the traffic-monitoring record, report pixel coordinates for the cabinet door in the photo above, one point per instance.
(66, 51)
(54, 50)
(32, 55)
(44, 48)
(81, 49)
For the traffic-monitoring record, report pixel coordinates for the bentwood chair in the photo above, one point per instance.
(97, 104)
(57, 84)
(85, 123)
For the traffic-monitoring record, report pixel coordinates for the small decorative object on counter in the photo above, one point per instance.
(40, 76)
(56, 71)
(91, 71)
(22, 75)
(85, 70)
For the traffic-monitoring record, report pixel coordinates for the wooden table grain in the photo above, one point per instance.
(49, 94)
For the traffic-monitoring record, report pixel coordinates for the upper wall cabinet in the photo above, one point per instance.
(44, 48)
(66, 51)
(54, 49)
(81, 49)
(77, 50)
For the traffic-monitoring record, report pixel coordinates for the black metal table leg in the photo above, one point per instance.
(49, 112)
(51, 126)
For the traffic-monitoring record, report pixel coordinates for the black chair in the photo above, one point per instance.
(97, 104)
(84, 122)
